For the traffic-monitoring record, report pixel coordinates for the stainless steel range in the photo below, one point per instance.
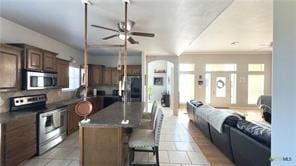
(52, 124)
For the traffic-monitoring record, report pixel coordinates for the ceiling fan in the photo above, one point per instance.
(121, 34)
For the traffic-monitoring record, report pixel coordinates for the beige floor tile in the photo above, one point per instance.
(178, 157)
(163, 157)
(36, 162)
(167, 146)
(184, 146)
(141, 157)
(75, 163)
(59, 163)
(166, 164)
(61, 153)
(197, 158)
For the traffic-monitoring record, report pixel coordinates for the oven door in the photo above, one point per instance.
(52, 124)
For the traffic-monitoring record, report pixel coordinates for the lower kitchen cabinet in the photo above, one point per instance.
(97, 102)
(18, 140)
(73, 120)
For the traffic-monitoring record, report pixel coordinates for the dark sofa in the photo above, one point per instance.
(244, 143)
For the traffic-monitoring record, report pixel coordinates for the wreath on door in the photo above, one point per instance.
(220, 84)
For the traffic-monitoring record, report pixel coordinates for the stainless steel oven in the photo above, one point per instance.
(52, 128)
(39, 80)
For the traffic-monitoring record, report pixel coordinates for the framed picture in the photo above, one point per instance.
(158, 81)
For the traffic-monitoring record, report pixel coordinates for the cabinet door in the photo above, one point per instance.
(49, 62)
(115, 76)
(20, 140)
(34, 59)
(96, 75)
(107, 76)
(73, 120)
(63, 73)
(10, 68)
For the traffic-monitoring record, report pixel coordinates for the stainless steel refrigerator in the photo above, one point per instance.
(134, 88)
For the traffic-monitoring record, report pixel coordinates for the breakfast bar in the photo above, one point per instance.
(103, 140)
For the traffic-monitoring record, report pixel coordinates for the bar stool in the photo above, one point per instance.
(148, 121)
(148, 115)
(146, 140)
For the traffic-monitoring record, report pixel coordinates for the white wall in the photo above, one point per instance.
(242, 59)
(157, 90)
(11, 32)
(284, 83)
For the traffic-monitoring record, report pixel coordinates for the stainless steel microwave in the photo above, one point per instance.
(39, 80)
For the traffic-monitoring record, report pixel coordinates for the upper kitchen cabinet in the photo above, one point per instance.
(134, 70)
(33, 59)
(108, 76)
(62, 67)
(115, 75)
(95, 74)
(10, 67)
(49, 61)
(37, 59)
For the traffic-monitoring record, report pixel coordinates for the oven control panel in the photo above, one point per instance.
(17, 103)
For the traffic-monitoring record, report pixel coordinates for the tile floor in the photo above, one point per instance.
(177, 148)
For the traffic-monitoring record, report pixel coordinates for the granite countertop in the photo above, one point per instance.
(8, 116)
(111, 116)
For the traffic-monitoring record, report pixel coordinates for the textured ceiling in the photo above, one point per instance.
(248, 22)
(176, 23)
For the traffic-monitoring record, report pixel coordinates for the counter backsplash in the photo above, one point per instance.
(53, 95)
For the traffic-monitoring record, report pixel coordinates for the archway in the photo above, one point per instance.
(166, 68)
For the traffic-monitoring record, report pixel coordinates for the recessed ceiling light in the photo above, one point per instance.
(235, 43)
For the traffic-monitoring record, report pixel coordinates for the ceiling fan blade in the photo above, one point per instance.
(109, 37)
(142, 34)
(132, 41)
(110, 29)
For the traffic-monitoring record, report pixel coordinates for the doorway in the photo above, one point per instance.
(160, 84)
(221, 89)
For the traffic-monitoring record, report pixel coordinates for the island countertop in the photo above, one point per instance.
(111, 116)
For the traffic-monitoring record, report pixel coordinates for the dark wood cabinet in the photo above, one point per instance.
(95, 75)
(37, 59)
(97, 102)
(63, 73)
(49, 62)
(10, 67)
(115, 76)
(19, 140)
(134, 70)
(34, 59)
(73, 120)
(108, 76)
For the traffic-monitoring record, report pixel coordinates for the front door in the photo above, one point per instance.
(221, 90)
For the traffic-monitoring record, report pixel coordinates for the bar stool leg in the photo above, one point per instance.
(130, 156)
(157, 155)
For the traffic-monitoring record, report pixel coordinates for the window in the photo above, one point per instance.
(233, 88)
(186, 87)
(220, 67)
(208, 88)
(256, 67)
(255, 88)
(186, 67)
(74, 78)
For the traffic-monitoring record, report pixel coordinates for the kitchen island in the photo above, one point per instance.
(103, 140)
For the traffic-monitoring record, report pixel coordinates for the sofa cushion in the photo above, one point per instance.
(259, 131)
(231, 121)
(196, 103)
